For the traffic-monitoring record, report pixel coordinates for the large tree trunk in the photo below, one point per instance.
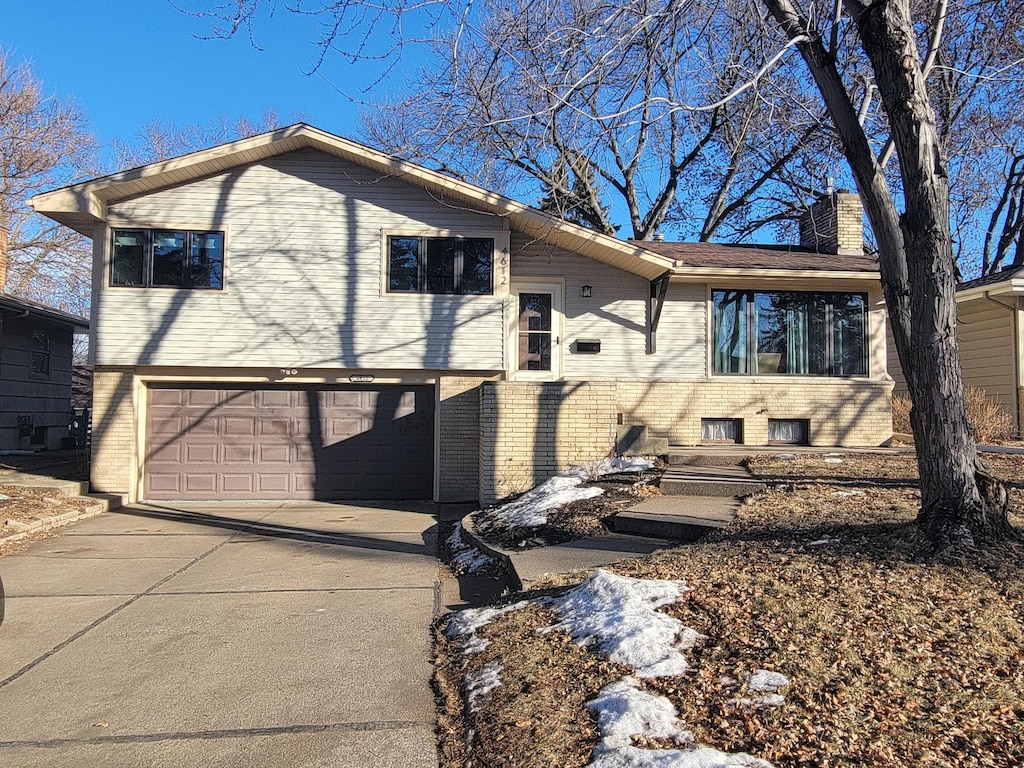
(961, 502)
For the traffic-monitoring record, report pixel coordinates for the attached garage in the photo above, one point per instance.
(289, 442)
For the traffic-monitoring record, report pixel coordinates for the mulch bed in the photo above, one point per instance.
(578, 520)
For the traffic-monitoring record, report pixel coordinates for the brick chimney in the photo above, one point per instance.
(834, 224)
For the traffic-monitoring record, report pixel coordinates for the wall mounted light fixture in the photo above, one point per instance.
(586, 291)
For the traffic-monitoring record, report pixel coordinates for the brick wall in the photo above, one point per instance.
(113, 429)
(530, 431)
(458, 438)
(840, 412)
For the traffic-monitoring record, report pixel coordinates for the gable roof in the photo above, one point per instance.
(82, 206)
(35, 309)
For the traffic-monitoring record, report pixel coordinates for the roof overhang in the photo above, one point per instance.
(25, 308)
(83, 206)
(683, 274)
(1011, 287)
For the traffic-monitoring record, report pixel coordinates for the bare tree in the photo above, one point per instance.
(158, 141)
(962, 503)
(852, 49)
(44, 143)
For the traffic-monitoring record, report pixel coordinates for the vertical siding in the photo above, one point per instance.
(987, 349)
(617, 314)
(302, 277)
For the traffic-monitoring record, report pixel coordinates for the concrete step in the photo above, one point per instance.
(635, 440)
(709, 481)
(710, 457)
(681, 518)
(70, 488)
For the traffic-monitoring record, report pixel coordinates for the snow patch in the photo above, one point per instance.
(479, 684)
(617, 614)
(624, 711)
(822, 542)
(465, 557)
(833, 461)
(766, 681)
(465, 625)
(847, 494)
(531, 509)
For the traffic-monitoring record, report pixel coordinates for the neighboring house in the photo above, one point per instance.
(990, 329)
(295, 315)
(35, 373)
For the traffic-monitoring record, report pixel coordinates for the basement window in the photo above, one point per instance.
(789, 431)
(721, 431)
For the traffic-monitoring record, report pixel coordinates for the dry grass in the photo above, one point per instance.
(25, 505)
(892, 662)
(990, 421)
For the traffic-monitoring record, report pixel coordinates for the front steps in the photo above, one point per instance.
(697, 498)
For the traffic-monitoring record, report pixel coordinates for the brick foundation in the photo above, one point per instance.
(113, 429)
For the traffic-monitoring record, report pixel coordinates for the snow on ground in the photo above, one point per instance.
(531, 509)
(617, 617)
(617, 614)
(465, 557)
(481, 683)
(465, 625)
(623, 710)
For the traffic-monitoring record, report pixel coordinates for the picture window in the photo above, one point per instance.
(167, 258)
(441, 265)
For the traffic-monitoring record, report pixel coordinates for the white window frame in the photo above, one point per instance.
(557, 290)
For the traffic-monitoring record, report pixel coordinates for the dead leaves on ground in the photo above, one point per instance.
(892, 662)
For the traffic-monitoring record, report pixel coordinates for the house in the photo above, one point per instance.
(295, 315)
(35, 373)
(990, 329)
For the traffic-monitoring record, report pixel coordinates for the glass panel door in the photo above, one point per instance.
(535, 331)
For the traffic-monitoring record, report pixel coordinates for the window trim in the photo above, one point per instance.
(148, 257)
(556, 287)
(498, 260)
(751, 331)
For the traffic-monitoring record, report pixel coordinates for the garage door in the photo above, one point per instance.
(289, 443)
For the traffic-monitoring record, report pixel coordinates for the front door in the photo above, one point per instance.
(537, 329)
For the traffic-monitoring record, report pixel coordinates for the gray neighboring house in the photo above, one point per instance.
(35, 373)
(295, 315)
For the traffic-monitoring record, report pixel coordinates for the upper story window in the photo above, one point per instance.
(40, 363)
(167, 258)
(456, 265)
(790, 332)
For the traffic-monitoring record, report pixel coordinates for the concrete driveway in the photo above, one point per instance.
(223, 635)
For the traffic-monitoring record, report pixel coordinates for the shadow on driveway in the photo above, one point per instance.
(263, 527)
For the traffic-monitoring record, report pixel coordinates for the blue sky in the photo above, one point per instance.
(128, 62)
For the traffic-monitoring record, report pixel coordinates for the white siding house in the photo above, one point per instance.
(298, 316)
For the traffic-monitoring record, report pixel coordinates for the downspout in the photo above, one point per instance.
(1015, 314)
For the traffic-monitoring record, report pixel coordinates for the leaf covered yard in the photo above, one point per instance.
(886, 660)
